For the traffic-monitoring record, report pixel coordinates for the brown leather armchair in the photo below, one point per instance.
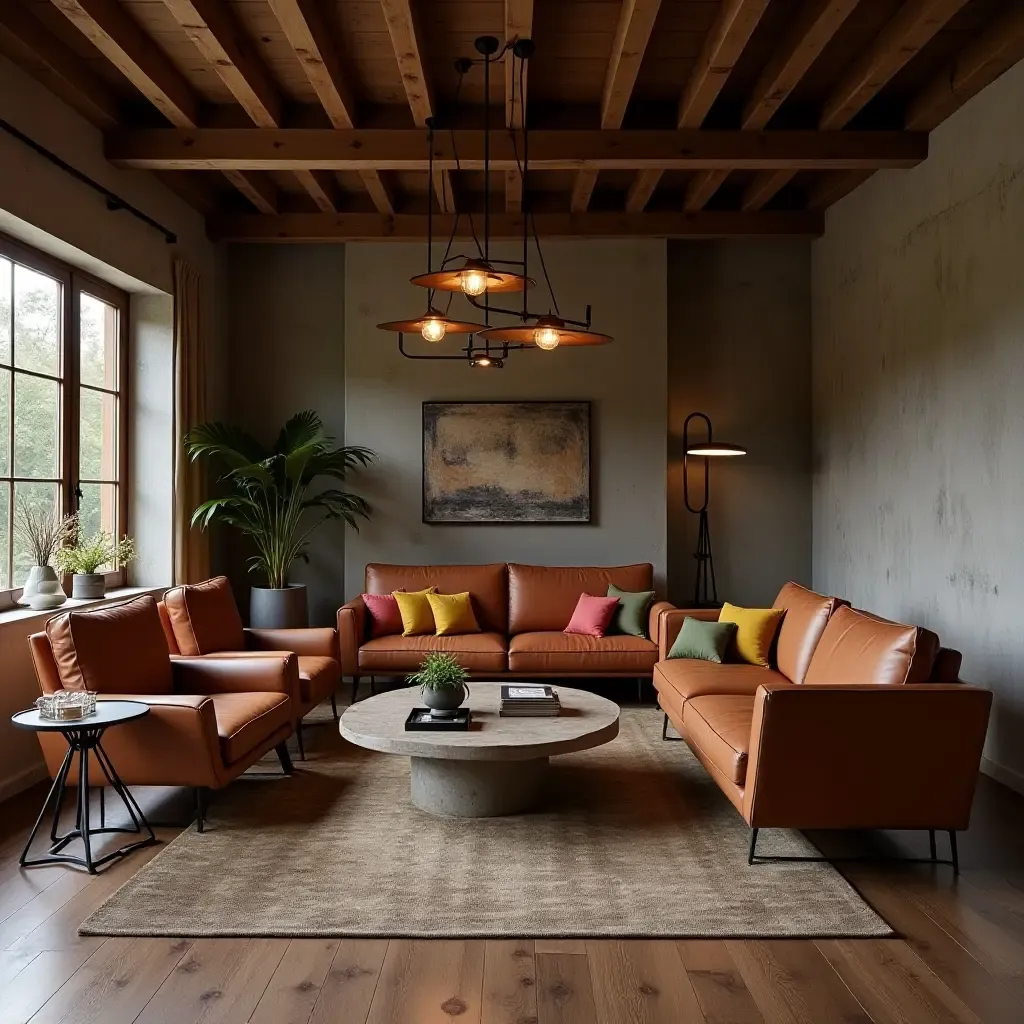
(202, 620)
(209, 720)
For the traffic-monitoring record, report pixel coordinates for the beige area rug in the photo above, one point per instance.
(634, 841)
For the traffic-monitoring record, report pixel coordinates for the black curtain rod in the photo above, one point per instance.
(114, 201)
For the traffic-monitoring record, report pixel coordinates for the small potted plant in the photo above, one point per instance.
(43, 532)
(442, 683)
(83, 558)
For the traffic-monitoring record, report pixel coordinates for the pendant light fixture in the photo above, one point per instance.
(481, 276)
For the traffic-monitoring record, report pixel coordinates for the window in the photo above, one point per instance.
(62, 431)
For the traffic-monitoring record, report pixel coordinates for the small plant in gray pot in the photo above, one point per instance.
(442, 683)
(84, 557)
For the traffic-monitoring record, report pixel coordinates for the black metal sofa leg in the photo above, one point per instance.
(284, 757)
(665, 735)
(200, 808)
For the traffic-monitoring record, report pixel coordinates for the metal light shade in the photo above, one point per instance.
(524, 333)
(451, 280)
(416, 325)
(713, 449)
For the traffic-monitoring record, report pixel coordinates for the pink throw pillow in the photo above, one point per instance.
(385, 618)
(593, 615)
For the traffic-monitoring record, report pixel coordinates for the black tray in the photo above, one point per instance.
(420, 720)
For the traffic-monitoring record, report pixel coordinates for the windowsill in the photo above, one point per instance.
(23, 614)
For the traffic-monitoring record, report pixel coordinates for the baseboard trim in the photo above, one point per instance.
(1007, 776)
(25, 779)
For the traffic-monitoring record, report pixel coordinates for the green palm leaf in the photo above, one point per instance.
(302, 429)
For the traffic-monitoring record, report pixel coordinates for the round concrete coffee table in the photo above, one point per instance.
(498, 766)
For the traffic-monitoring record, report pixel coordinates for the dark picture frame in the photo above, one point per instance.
(508, 462)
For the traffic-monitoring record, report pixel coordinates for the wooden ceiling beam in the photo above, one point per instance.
(403, 149)
(518, 25)
(636, 22)
(58, 66)
(726, 40)
(308, 35)
(830, 188)
(405, 40)
(902, 38)
(260, 190)
(312, 227)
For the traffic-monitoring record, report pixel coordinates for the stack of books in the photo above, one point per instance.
(529, 701)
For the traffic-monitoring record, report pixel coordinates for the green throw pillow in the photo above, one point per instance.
(630, 617)
(705, 641)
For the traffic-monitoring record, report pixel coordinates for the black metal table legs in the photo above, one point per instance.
(84, 742)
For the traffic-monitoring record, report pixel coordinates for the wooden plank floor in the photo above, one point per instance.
(959, 956)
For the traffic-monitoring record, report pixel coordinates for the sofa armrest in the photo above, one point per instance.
(319, 642)
(351, 631)
(865, 756)
(261, 671)
(654, 618)
(672, 622)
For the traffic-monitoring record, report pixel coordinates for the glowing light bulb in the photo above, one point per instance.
(546, 338)
(482, 361)
(473, 282)
(433, 329)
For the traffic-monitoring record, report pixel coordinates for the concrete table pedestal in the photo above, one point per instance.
(497, 766)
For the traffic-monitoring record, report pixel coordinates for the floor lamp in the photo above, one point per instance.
(707, 450)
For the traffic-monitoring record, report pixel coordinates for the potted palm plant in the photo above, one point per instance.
(269, 500)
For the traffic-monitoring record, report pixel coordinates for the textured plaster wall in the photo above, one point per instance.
(740, 351)
(626, 282)
(918, 409)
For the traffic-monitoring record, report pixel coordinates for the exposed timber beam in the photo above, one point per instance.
(312, 227)
(259, 190)
(117, 36)
(518, 25)
(636, 22)
(307, 34)
(405, 40)
(726, 40)
(57, 66)
(902, 38)
(403, 150)
(830, 188)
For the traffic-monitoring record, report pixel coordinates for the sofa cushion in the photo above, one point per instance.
(720, 726)
(112, 650)
(682, 679)
(592, 615)
(703, 641)
(204, 617)
(476, 652)
(859, 648)
(755, 632)
(807, 614)
(487, 584)
(245, 720)
(558, 652)
(543, 598)
(319, 677)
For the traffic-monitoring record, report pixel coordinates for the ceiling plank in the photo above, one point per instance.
(58, 66)
(902, 38)
(322, 188)
(701, 187)
(726, 40)
(313, 227)
(636, 22)
(762, 188)
(997, 49)
(405, 40)
(518, 25)
(259, 190)
(307, 34)
(403, 149)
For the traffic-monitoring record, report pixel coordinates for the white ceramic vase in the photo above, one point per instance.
(29, 589)
(47, 592)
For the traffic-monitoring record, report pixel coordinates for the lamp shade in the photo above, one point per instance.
(490, 280)
(713, 449)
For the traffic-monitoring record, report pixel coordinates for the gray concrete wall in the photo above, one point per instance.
(286, 307)
(918, 416)
(625, 381)
(739, 351)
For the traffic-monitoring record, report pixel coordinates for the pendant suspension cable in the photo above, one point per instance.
(487, 156)
(430, 206)
(524, 196)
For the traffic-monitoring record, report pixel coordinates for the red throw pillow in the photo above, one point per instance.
(593, 615)
(385, 618)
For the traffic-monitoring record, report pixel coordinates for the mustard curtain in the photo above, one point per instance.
(191, 548)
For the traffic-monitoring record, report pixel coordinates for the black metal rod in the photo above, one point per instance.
(487, 156)
(114, 201)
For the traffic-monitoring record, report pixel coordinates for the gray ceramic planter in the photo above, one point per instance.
(284, 608)
(443, 703)
(88, 586)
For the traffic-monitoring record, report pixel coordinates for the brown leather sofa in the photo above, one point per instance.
(861, 723)
(522, 611)
(209, 719)
(202, 620)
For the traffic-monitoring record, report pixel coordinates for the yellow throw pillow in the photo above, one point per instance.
(415, 610)
(453, 614)
(755, 631)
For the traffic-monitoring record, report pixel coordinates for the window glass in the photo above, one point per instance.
(98, 343)
(97, 436)
(37, 316)
(36, 427)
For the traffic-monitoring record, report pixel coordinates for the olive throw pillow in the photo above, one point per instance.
(705, 641)
(755, 631)
(630, 618)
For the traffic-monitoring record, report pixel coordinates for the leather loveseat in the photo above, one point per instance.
(861, 723)
(522, 611)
